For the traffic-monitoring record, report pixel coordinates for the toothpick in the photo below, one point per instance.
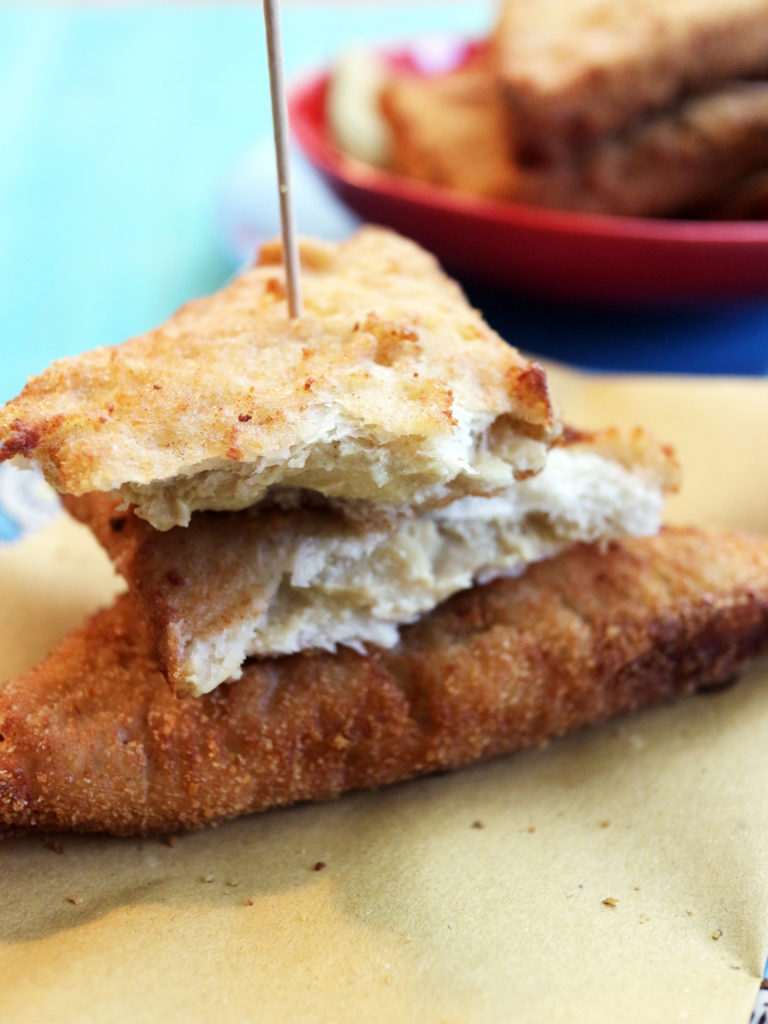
(280, 123)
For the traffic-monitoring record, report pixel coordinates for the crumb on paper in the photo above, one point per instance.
(477, 823)
(233, 883)
(635, 740)
(77, 900)
(531, 829)
(610, 901)
(689, 912)
(171, 841)
(248, 903)
(717, 933)
(208, 878)
(54, 846)
(319, 865)
(605, 823)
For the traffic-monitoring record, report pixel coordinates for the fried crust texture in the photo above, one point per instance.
(94, 740)
(691, 153)
(579, 70)
(388, 388)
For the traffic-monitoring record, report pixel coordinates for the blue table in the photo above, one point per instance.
(130, 137)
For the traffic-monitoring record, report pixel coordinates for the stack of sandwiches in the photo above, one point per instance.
(631, 107)
(360, 546)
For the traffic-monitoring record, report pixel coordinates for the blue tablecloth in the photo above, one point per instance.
(132, 137)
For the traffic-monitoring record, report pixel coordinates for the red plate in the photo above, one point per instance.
(547, 252)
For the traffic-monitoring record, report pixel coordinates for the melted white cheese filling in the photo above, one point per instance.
(355, 587)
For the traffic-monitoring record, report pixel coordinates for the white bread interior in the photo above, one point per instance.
(357, 584)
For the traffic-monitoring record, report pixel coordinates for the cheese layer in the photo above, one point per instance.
(312, 582)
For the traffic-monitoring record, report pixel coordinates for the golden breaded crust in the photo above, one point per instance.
(636, 450)
(388, 388)
(93, 739)
(453, 131)
(578, 70)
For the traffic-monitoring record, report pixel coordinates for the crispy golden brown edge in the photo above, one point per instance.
(374, 392)
(579, 70)
(454, 131)
(93, 739)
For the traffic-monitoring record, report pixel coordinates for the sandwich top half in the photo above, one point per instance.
(390, 389)
(577, 70)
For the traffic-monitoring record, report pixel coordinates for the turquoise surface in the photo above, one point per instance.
(122, 170)
(118, 128)
(131, 140)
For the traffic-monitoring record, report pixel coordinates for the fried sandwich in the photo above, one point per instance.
(407, 566)
(574, 71)
(94, 740)
(675, 160)
(429, 458)
(389, 389)
(630, 108)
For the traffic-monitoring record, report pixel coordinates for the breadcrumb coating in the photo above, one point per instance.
(94, 740)
(388, 388)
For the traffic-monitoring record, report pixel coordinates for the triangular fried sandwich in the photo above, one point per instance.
(686, 155)
(94, 740)
(578, 70)
(389, 388)
(269, 485)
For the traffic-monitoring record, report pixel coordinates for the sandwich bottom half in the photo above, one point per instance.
(93, 739)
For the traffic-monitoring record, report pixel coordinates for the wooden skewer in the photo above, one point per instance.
(280, 123)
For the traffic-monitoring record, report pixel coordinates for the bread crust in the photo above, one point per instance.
(455, 131)
(93, 739)
(386, 389)
(579, 70)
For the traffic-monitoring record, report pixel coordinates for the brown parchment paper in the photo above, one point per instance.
(471, 897)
